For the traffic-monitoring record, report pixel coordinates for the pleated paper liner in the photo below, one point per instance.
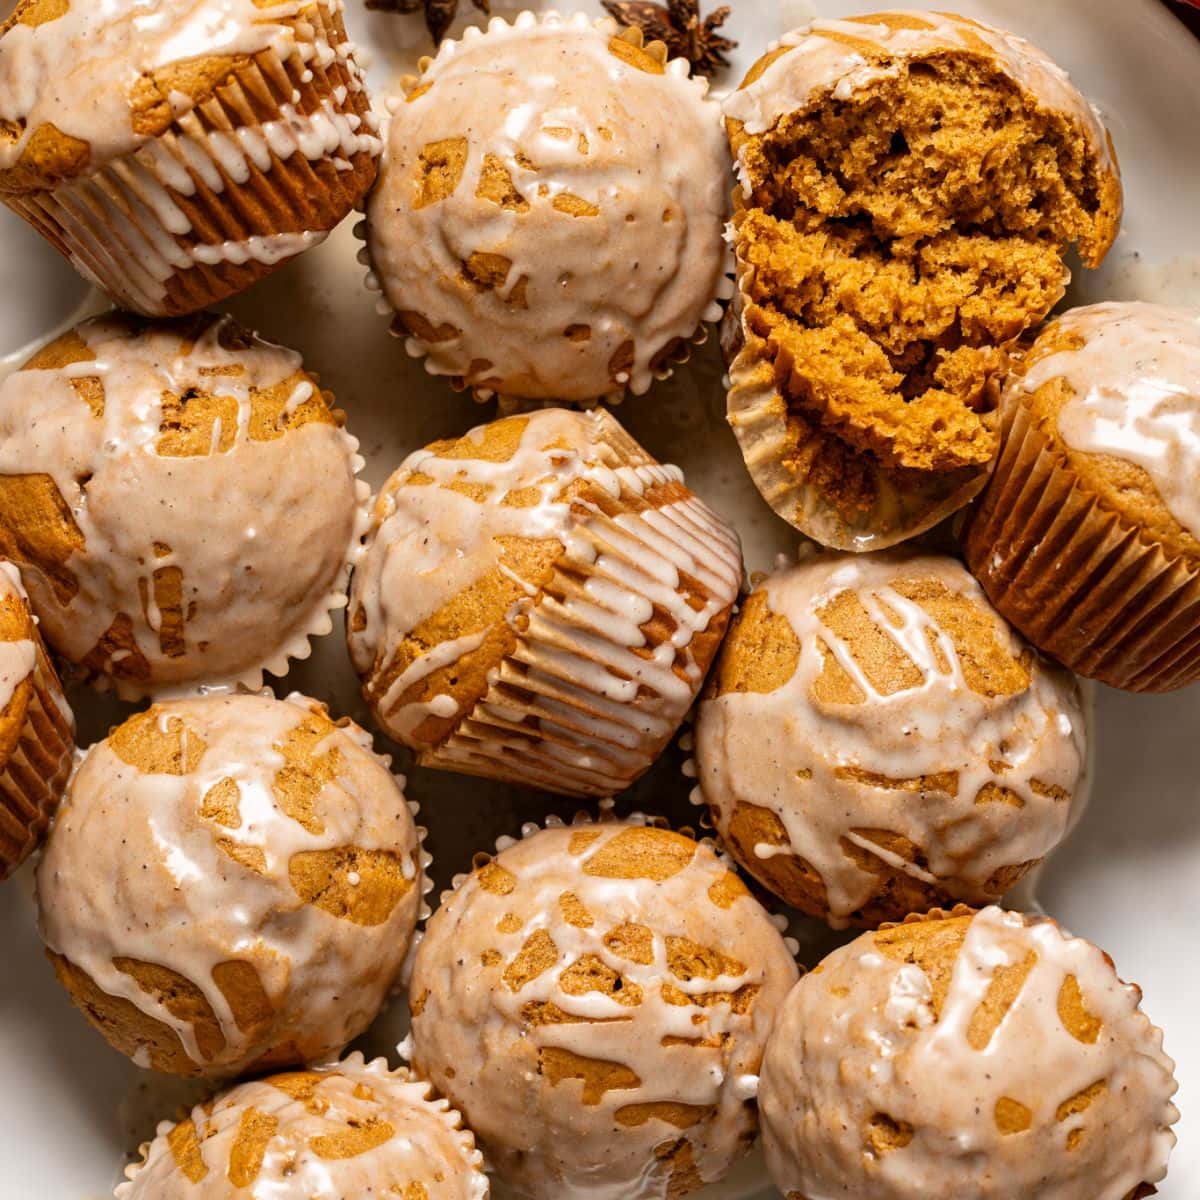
(790, 459)
(1074, 577)
(37, 747)
(162, 251)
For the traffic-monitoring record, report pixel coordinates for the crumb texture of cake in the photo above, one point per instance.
(910, 185)
(181, 499)
(548, 220)
(1088, 535)
(177, 155)
(595, 1000)
(538, 601)
(988, 1055)
(351, 1129)
(37, 728)
(875, 739)
(267, 888)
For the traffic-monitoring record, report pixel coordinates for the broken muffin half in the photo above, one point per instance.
(909, 186)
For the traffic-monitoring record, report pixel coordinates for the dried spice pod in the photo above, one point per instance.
(679, 26)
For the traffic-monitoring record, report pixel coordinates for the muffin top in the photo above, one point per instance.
(875, 737)
(553, 536)
(18, 653)
(83, 82)
(596, 999)
(844, 56)
(987, 1054)
(350, 1129)
(268, 883)
(548, 219)
(181, 499)
(1120, 384)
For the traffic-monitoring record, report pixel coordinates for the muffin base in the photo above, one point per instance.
(1077, 580)
(36, 772)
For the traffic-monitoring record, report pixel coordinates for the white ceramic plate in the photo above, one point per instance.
(71, 1109)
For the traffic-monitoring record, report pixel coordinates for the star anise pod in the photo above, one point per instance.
(678, 24)
(439, 14)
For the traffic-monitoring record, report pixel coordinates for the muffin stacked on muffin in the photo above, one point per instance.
(876, 740)
(353, 1128)
(538, 601)
(268, 882)
(547, 224)
(596, 999)
(1088, 536)
(988, 1055)
(181, 498)
(910, 184)
(178, 155)
(36, 728)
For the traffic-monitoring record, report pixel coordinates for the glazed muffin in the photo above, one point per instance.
(181, 498)
(37, 729)
(875, 739)
(595, 999)
(910, 183)
(267, 885)
(176, 160)
(988, 1055)
(350, 1129)
(538, 602)
(1088, 535)
(547, 224)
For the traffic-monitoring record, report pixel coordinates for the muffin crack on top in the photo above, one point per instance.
(909, 186)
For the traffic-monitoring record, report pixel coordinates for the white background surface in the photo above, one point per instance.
(71, 1109)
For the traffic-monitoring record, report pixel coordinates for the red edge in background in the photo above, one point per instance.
(1188, 11)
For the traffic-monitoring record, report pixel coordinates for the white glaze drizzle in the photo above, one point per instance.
(471, 1039)
(77, 72)
(262, 530)
(176, 898)
(562, 114)
(1136, 384)
(788, 750)
(816, 63)
(426, 1146)
(428, 543)
(836, 1060)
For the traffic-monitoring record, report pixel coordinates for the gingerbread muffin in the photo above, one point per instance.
(983, 1054)
(36, 728)
(910, 183)
(1088, 535)
(181, 498)
(547, 223)
(352, 1129)
(595, 999)
(538, 602)
(875, 739)
(176, 156)
(267, 885)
